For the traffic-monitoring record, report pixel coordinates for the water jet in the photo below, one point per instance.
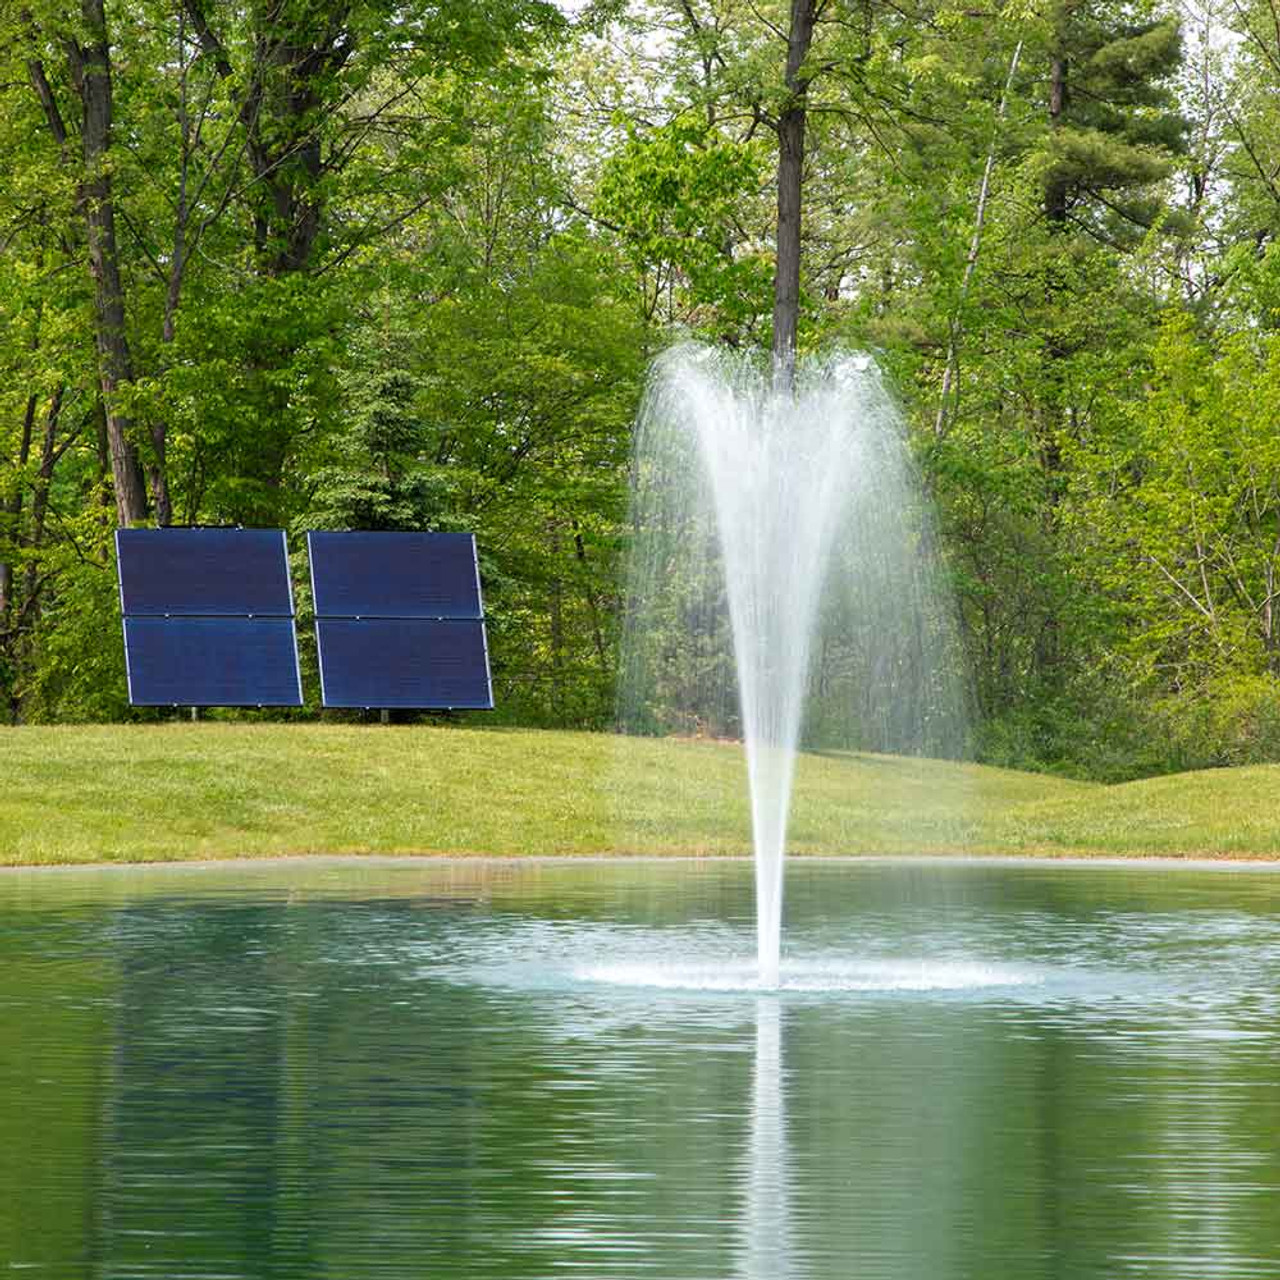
(784, 589)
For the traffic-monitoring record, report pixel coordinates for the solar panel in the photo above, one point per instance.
(208, 618)
(399, 622)
(404, 662)
(394, 575)
(212, 662)
(204, 572)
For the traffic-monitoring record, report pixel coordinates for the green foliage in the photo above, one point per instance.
(401, 266)
(79, 672)
(672, 194)
(1115, 124)
(532, 427)
(1233, 720)
(1197, 484)
(1181, 508)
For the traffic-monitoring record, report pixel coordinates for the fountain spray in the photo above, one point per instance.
(791, 506)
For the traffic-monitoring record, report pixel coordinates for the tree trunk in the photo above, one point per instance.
(25, 609)
(1055, 196)
(593, 604)
(173, 291)
(49, 455)
(277, 108)
(13, 509)
(103, 448)
(91, 69)
(1049, 421)
(791, 138)
(555, 605)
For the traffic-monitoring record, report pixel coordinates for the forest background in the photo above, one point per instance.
(397, 264)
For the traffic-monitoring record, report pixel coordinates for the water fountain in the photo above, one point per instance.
(786, 524)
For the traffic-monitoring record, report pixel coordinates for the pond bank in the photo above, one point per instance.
(181, 792)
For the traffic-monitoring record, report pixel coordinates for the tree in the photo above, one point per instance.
(737, 76)
(1114, 126)
(1181, 531)
(85, 40)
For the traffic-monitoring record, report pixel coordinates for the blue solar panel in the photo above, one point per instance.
(394, 575)
(204, 572)
(212, 662)
(404, 662)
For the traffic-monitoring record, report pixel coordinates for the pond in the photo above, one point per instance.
(498, 1069)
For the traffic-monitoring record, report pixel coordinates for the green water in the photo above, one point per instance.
(496, 1070)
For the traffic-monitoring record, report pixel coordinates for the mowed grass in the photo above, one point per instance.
(220, 790)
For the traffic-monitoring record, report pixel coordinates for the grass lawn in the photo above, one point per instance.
(110, 793)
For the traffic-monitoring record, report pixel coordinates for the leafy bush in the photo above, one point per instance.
(79, 674)
(1234, 720)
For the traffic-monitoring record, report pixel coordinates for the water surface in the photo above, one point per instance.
(543, 1069)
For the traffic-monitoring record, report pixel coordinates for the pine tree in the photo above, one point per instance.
(1114, 127)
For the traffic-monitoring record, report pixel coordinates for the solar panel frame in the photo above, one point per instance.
(219, 661)
(188, 573)
(395, 575)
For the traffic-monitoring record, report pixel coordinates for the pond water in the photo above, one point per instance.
(482, 1069)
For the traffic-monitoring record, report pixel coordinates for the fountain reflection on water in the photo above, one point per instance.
(766, 1250)
(796, 517)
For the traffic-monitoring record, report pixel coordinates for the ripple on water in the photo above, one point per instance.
(815, 976)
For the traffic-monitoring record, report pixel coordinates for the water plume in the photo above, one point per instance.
(783, 588)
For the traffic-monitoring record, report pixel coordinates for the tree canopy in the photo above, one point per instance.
(398, 264)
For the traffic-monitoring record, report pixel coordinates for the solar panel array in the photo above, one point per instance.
(208, 618)
(399, 620)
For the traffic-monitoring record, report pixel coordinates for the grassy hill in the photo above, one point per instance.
(215, 790)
